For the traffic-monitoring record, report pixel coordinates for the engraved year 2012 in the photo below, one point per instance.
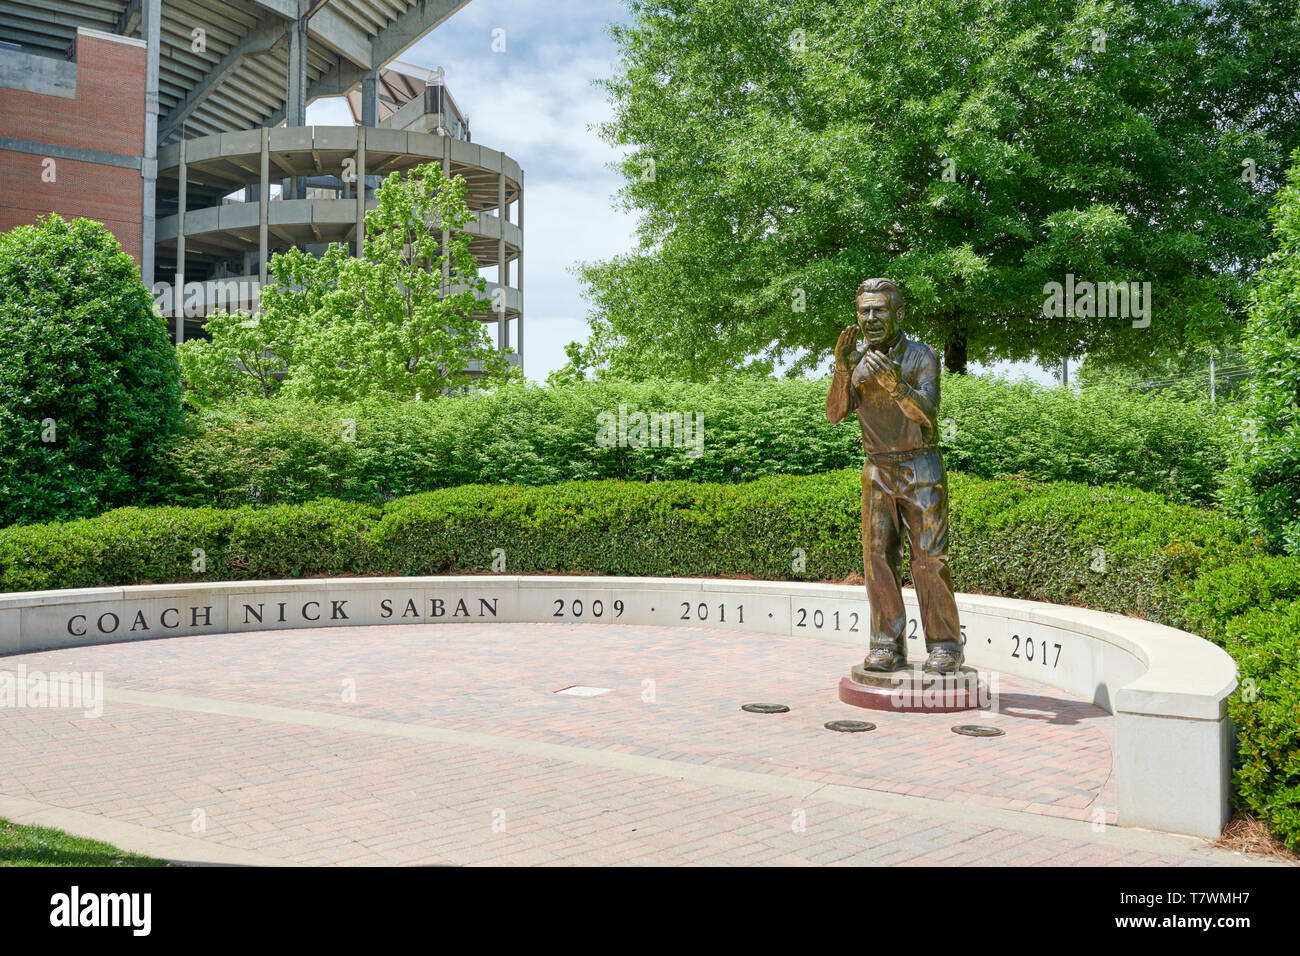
(818, 620)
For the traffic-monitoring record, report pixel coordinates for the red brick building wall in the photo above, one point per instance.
(107, 115)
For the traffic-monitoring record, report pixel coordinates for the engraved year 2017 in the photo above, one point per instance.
(1026, 648)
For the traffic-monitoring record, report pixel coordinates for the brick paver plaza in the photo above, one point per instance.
(447, 744)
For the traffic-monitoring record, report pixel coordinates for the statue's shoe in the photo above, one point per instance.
(944, 659)
(884, 659)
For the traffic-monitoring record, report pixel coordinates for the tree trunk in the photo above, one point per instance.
(954, 350)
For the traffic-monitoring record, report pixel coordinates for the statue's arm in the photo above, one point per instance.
(841, 401)
(920, 403)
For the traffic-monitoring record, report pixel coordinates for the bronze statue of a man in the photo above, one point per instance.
(893, 383)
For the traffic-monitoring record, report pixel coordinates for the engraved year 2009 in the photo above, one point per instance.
(577, 608)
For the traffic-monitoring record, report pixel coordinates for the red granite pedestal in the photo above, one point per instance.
(912, 690)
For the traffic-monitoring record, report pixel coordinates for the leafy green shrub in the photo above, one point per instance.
(627, 528)
(1266, 479)
(90, 397)
(1265, 642)
(1124, 551)
(1115, 549)
(127, 545)
(293, 541)
(157, 545)
(1252, 609)
(1226, 592)
(1095, 436)
(286, 452)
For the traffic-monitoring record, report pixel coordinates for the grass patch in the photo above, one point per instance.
(42, 846)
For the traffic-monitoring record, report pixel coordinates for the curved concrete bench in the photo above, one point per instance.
(1167, 689)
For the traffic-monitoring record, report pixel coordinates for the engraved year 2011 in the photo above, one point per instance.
(701, 612)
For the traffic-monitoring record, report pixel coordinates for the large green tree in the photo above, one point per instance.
(780, 151)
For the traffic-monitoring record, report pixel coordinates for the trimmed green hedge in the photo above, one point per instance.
(162, 545)
(1124, 551)
(1252, 610)
(281, 453)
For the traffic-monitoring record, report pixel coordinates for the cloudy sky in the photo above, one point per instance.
(536, 102)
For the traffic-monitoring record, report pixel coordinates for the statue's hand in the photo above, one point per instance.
(884, 371)
(844, 349)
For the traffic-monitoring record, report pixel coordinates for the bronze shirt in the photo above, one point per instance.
(885, 428)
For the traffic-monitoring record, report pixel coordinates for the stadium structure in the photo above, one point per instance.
(182, 127)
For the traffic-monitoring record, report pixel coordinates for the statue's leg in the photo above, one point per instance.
(923, 504)
(882, 562)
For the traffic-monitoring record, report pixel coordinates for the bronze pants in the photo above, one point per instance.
(907, 495)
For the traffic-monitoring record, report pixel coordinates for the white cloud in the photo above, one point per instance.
(574, 222)
(330, 111)
(536, 102)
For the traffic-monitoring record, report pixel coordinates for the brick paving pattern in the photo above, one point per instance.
(464, 754)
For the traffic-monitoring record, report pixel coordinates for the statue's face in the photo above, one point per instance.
(877, 320)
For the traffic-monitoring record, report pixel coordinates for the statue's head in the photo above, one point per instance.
(880, 311)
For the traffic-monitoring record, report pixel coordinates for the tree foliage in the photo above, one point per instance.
(1266, 482)
(780, 151)
(341, 328)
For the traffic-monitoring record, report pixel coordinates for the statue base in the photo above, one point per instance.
(910, 690)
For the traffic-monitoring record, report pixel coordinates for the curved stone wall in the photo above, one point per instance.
(1167, 689)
